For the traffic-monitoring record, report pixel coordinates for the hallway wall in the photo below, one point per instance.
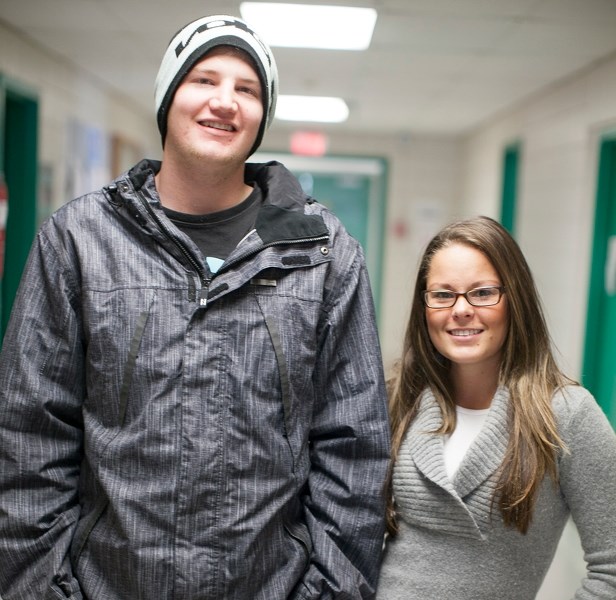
(559, 134)
(423, 188)
(69, 95)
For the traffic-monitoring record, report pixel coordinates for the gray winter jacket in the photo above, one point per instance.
(165, 434)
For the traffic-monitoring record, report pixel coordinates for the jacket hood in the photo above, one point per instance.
(278, 184)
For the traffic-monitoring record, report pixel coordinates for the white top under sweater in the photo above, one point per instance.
(469, 422)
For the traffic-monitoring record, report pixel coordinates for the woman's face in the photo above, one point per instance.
(471, 337)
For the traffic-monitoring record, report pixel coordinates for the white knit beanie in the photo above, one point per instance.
(193, 42)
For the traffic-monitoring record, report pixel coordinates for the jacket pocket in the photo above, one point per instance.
(300, 534)
(285, 386)
(85, 527)
(129, 366)
(64, 585)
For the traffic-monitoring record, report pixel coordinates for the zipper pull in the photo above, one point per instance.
(203, 292)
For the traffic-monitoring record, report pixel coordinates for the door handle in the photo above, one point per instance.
(610, 267)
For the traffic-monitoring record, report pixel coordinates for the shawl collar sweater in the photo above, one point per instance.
(453, 544)
(461, 506)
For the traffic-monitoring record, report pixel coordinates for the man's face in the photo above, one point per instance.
(217, 110)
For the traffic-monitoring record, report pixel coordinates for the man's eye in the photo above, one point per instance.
(248, 90)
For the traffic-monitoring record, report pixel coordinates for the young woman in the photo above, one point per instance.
(493, 446)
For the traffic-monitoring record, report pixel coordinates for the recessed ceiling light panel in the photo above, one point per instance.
(311, 26)
(320, 109)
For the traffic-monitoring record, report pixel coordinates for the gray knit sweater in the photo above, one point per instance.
(451, 547)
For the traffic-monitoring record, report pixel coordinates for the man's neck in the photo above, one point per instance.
(200, 191)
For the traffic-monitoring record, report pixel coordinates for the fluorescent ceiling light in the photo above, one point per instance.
(311, 26)
(318, 109)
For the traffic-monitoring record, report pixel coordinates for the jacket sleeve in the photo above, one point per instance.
(41, 391)
(588, 482)
(349, 441)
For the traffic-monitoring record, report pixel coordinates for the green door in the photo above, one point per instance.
(356, 199)
(347, 196)
(599, 374)
(18, 161)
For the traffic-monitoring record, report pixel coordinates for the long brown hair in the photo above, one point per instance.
(528, 370)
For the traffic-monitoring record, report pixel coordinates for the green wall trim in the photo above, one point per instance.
(509, 191)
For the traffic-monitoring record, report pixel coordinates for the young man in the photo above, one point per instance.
(192, 399)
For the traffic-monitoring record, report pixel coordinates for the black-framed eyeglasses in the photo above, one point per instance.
(481, 296)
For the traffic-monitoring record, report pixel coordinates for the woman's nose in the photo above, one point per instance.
(462, 306)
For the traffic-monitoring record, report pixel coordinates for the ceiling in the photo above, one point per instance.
(434, 66)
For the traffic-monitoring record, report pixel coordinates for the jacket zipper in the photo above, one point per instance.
(203, 277)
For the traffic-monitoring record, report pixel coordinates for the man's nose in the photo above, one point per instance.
(224, 99)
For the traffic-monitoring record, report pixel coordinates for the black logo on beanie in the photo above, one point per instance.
(220, 23)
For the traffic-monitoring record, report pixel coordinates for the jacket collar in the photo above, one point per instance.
(282, 217)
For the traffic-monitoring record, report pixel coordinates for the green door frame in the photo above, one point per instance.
(509, 191)
(18, 161)
(601, 302)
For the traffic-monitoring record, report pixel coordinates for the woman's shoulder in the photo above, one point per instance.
(575, 408)
(571, 399)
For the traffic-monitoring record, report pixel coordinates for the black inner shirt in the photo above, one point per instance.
(217, 234)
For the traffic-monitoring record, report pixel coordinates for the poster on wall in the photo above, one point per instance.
(88, 159)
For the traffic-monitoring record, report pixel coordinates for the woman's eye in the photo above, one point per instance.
(483, 292)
